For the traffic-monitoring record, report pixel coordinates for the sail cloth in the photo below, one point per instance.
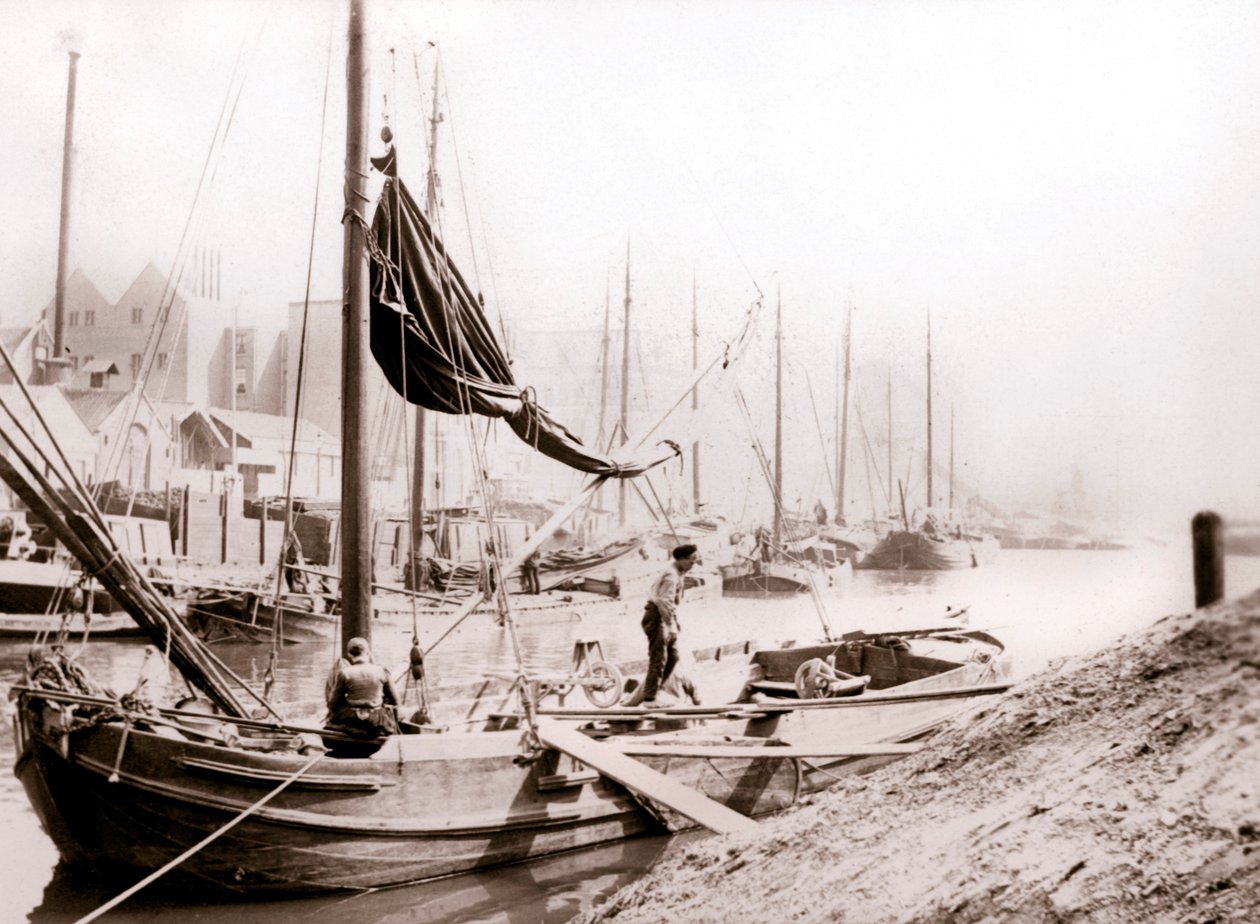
(430, 336)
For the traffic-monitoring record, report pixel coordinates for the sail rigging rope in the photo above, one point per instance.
(196, 212)
(815, 594)
(277, 627)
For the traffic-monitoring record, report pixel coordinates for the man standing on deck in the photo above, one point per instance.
(660, 621)
(529, 573)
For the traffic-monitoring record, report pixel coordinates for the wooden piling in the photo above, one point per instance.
(223, 529)
(185, 514)
(1209, 558)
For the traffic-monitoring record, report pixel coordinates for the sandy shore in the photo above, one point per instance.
(1121, 786)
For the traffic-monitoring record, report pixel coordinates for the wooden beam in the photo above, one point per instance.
(678, 747)
(778, 704)
(642, 780)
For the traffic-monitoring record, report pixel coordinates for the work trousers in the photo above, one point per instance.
(662, 650)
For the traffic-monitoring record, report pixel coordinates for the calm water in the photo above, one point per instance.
(1043, 605)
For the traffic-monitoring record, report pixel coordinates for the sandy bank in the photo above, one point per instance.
(1120, 786)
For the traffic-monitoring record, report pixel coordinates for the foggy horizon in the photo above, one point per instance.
(1070, 193)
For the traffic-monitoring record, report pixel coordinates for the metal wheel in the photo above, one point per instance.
(603, 684)
(813, 679)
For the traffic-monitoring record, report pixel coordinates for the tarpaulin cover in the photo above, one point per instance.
(430, 336)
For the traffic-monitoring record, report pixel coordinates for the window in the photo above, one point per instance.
(89, 319)
(72, 319)
(162, 359)
(240, 388)
(137, 315)
(135, 365)
(240, 344)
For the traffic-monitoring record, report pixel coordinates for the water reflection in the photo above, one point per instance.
(553, 889)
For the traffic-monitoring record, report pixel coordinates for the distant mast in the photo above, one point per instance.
(356, 552)
(602, 434)
(419, 574)
(890, 438)
(603, 367)
(842, 438)
(951, 457)
(625, 392)
(778, 419)
(695, 400)
(63, 239)
(930, 498)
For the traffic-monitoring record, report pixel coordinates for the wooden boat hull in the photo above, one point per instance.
(39, 597)
(432, 805)
(424, 806)
(755, 579)
(101, 625)
(248, 616)
(915, 551)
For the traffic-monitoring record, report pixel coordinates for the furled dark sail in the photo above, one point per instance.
(430, 337)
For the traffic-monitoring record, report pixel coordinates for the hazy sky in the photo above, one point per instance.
(1072, 190)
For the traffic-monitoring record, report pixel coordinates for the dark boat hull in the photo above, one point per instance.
(452, 804)
(248, 616)
(916, 551)
(755, 579)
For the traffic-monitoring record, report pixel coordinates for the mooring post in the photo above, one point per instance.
(262, 532)
(1209, 558)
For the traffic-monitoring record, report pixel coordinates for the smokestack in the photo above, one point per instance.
(63, 241)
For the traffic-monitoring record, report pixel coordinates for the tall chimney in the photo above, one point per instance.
(63, 240)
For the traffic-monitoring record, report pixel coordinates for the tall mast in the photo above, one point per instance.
(604, 344)
(356, 565)
(930, 497)
(890, 437)
(842, 441)
(418, 479)
(695, 400)
(63, 240)
(625, 391)
(951, 457)
(603, 365)
(778, 419)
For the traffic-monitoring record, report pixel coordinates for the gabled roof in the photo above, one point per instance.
(55, 409)
(81, 295)
(188, 417)
(255, 426)
(146, 290)
(100, 365)
(94, 405)
(14, 337)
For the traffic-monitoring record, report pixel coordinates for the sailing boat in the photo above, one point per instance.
(245, 802)
(936, 544)
(776, 564)
(850, 542)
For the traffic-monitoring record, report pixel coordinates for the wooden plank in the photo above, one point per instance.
(643, 780)
(678, 747)
(870, 698)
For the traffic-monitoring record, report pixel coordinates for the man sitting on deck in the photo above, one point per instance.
(361, 696)
(660, 622)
